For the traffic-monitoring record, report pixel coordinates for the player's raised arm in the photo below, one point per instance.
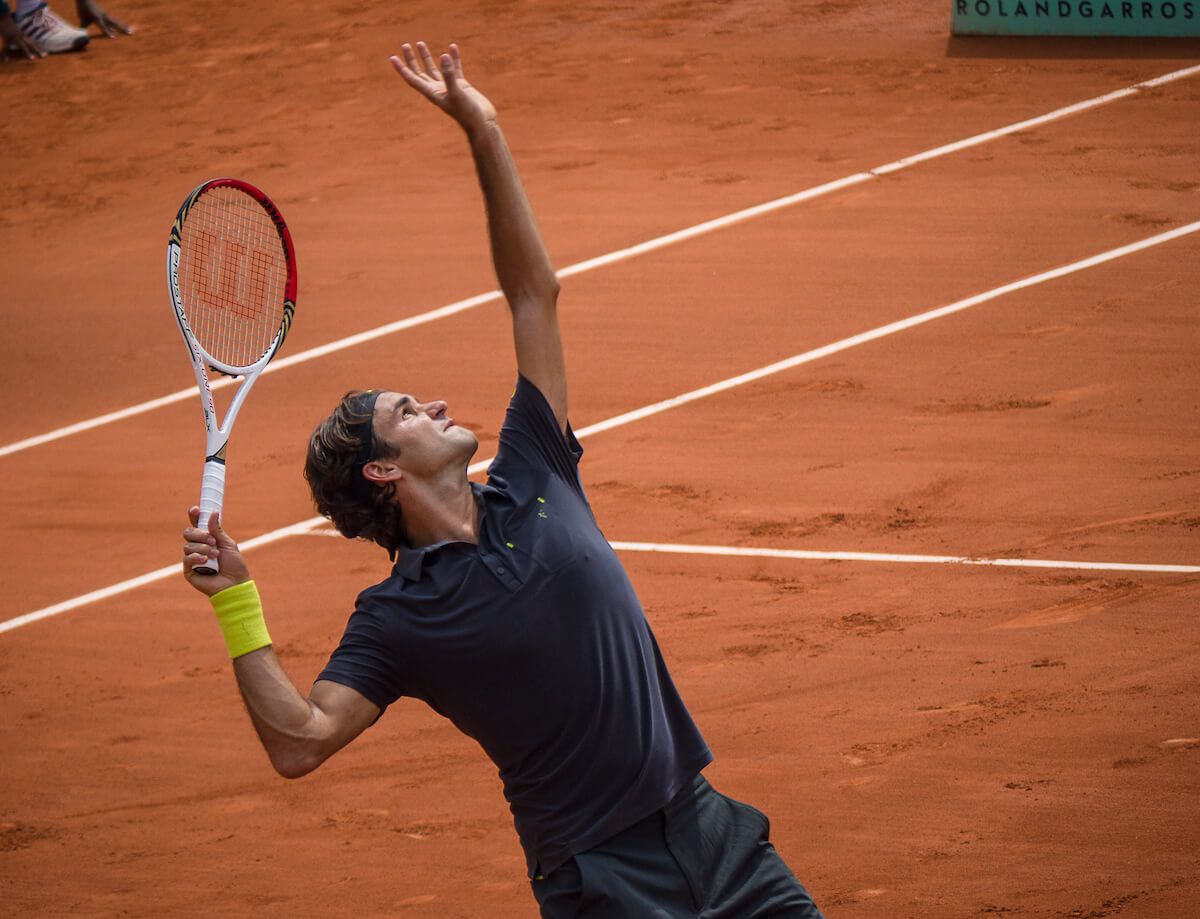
(522, 264)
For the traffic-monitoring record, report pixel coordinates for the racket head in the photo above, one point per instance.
(232, 274)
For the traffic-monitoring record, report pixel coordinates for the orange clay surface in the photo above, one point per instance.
(934, 741)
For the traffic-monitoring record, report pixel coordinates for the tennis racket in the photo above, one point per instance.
(231, 269)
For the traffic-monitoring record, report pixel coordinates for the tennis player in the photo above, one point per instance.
(507, 612)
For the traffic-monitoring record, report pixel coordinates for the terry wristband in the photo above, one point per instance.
(239, 613)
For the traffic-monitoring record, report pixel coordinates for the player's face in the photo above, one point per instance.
(422, 435)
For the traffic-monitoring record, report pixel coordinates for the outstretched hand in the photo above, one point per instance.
(90, 12)
(442, 83)
(201, 545)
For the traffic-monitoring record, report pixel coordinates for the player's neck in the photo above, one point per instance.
(440, 512)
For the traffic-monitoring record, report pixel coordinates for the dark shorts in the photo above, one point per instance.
(703, 855)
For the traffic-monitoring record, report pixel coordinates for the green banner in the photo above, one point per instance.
(1159, 18)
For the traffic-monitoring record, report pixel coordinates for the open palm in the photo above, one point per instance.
(442, 83)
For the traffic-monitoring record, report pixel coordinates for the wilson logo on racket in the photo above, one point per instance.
(231, 272)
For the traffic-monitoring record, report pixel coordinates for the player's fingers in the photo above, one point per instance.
(411, 77)
(197, 552)
(427, 58)
(192, 559)
(448, 73)
(194, 514)
(31, 49)
(214, 525)
(193, 535)
(411, 70)
(221, 538)
(409, 57)
(117, 27)
(457, 58)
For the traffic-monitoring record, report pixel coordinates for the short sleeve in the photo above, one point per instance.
(531, 437)
(365, 659)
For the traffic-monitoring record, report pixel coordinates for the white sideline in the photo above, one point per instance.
(307, 525)
(810, 555)
(310, 526)
(616, 256)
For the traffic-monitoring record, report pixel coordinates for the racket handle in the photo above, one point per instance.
(212, 495)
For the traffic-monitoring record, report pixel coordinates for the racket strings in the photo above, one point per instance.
(232, 276)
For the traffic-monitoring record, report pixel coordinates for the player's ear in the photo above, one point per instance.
(381, 471)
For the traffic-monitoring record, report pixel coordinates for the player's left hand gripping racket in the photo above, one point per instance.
(231, 270)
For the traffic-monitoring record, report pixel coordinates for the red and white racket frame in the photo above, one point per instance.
(212, 488)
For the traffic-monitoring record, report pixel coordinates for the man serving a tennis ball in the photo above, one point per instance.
(507, 611)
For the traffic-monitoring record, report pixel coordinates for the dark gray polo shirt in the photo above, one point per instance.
(534, 643)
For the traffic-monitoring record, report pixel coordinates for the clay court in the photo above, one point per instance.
(932, 737)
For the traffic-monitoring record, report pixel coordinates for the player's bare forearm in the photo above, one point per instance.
(523, 267)
(519, 255)
(279, 713)
(522, 263)
(298, 733)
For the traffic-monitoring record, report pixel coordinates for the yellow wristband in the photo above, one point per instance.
(239, 613)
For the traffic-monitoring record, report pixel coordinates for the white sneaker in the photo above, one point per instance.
(54, 35)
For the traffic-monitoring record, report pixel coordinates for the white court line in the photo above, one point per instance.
(311, 526)
(889, 557)
(889, 329)
(612, 257)
(313, 522)
(741, 552)
(160, 574)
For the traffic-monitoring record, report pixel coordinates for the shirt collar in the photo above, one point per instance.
(410, 562)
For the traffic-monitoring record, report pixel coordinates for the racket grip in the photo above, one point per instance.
(212, 496)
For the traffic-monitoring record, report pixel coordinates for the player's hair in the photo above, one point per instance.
(337, 451)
